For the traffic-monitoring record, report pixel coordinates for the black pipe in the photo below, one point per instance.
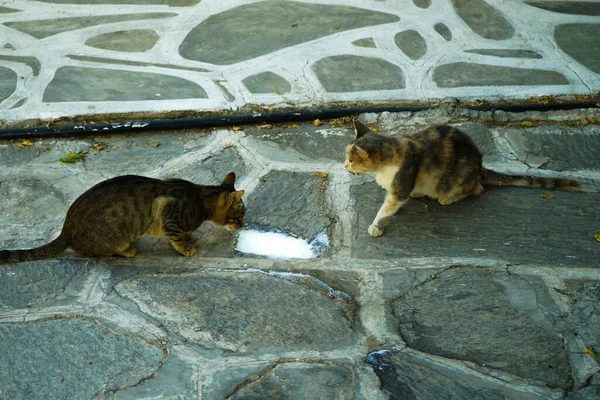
(255, 118)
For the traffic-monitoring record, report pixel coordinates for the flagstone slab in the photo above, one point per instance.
(348, 73)
(295, 202)
(313, 143)
(484, 19)
(48, 27)
(31, 62)
(172, 3)
(465, 314)
(568, 7)
(267, 82)
(582, 42)
(176, 379)
(443, 30)
(231, 36)
(302, 381)
(411, 43)
(462, 74)
(366, 42)
(39, 283)
(71, 84)
(515, 225)
(239, 310)
(506, 53)
(134, 40)
(8, 82)
(8, 10)
(405, 377)
(557, 148)
(78, 359)
(422, 3)
(32, 212)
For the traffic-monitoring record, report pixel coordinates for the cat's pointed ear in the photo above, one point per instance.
(229, 179)
(363, 154)
(360, 129)
(233, 196)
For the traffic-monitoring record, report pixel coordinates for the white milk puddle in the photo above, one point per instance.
(279, 245)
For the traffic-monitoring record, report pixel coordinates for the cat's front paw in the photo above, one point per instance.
(375, 231)
(188, 251)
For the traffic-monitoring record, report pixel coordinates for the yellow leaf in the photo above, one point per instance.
(527, 124)
(592, 120)
(72, 158)
(597, 236)
(321, 174)
(591, 352)
(317, 122)
(294, 126)
(25, 143)
(374, 129)
(547, 196)
(156, 145)
(237, 128)
(265, 126)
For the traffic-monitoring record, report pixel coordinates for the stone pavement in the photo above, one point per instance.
(495, 297)
(65, 58)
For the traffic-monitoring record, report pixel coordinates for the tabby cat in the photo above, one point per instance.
(106, 219)
(440, 162)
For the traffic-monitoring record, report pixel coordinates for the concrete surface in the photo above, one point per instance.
(65, 58)
(494, 297)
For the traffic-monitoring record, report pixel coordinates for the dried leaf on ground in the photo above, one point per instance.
(293, 126)
(98, 146)
(317, 122)
(592, 120)
(547, 196)
(237, 128)
(265, 126)
(597, 236)
(25, 143)
(527, 124)
(72, 158)
(321, 174)
(156, 145)
(591, 352)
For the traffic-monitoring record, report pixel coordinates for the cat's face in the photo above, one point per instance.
(234, 218)
(358, 161)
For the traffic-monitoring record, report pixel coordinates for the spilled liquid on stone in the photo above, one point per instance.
(280, 245)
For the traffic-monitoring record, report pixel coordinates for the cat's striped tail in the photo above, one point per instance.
(493, 178)
(52, 249)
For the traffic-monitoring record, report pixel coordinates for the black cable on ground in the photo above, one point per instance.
(255, 118)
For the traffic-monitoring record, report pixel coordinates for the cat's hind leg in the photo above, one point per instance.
(390, 206)
(128, 252)
(457, 195)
